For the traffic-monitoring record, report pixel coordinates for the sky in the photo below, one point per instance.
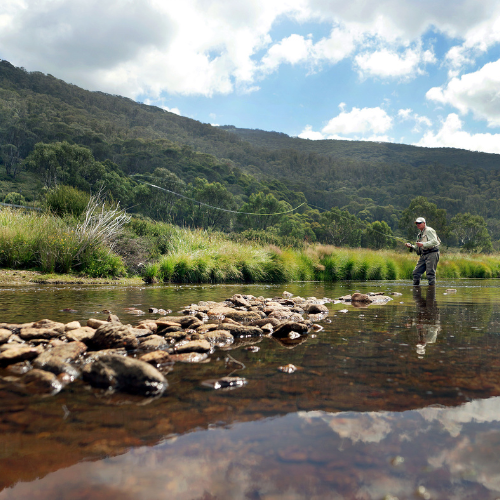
(421, 72)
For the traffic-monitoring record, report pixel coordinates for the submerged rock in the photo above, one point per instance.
(57, 360)
(41, 382)
(225, 383)
(125, 374)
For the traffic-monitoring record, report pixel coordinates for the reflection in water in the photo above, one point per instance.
(436, 453)
(364, 416)
(427, 320)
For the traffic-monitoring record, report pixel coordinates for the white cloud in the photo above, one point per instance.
(308, 133)
(387, 63)
(359, 121)
(203, 47)
(478, 92)
(297, 49)
(451, 135)
(407, 114)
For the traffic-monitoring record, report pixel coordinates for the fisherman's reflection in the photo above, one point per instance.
(427, 320)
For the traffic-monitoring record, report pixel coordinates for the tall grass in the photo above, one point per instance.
(208, 257)
(51, 244)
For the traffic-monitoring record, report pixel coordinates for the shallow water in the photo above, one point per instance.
(395, 401)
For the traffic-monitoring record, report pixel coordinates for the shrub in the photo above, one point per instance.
(66, 200)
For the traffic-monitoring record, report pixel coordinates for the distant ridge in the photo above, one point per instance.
(367, 150)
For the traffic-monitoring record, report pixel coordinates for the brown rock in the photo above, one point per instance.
(4, 335)
(189, 357)
(316, 309)
(113, 318)
(95, 323)
(240, 330)
(239, 301)
(112, 335)
(218, 337)
(156, 357)
(39, 333)
(18, 353)
(74, 325)
(41, 382)
(153, 342)
(125, 374)
(175, 335)
(264, 321)
(148, 325)
(361, 297)
(56, 360)
(84, 334)
(284, 329)
(192, 346)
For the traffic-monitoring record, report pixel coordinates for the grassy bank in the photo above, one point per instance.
(29, 240)
(201, 257)
(171, 254)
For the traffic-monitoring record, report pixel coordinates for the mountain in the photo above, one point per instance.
(372, 180)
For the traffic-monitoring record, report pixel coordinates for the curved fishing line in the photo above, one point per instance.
(398, 238)
(216, 208)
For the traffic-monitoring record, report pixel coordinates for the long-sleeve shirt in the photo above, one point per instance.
(429, 238)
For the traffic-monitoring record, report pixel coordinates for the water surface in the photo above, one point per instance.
(395, 401)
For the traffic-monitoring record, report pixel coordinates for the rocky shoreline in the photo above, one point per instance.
(43, 357)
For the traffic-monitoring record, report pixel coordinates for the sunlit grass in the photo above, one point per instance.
(51, 244)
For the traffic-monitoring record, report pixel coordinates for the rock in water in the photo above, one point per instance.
(112, 335)
(125, 374)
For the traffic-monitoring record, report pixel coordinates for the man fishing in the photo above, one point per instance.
(427, 247)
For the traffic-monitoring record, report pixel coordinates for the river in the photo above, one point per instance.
(393, 401)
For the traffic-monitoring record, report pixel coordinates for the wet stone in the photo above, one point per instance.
(225, 383)
(284, 329)
(218, 337)
(153, 342)
(189, 357)
(288, 368)
(84, 334)
(112, 335)
(316, 309)
(4, 335)
(73, 325)
(125, 374)
(95, 323)
(15, 354)
(20, 368)
(41, 382)
(192, 346)
(57, 359)
(241, 330)
(156, 357)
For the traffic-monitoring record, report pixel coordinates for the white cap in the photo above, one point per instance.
(419, 219)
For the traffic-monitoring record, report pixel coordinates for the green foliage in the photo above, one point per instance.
(471, 233)
(378, 235)
(15, 199)
(421, 207)
(91, 140)
(66, 200)
(50, 244)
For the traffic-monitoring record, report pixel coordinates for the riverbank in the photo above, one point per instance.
(16, 277)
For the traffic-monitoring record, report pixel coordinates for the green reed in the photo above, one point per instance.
(51, 244)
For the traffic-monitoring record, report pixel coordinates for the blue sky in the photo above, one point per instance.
(417, 72)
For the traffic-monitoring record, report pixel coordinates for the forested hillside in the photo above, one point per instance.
(54, 133)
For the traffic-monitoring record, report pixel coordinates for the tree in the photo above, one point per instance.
(420, 207)
(340, 228)
(218, 197)
(261, 203)
(378, 235)
(471, 232)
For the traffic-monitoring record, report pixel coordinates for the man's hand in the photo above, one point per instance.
(408, 245)
(420, 244)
